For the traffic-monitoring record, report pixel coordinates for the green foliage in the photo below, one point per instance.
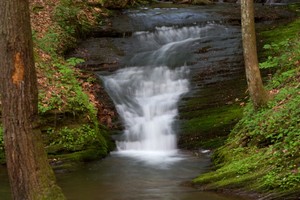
(280, 53)
(281, 33)
(72, 20)
(262, 151)
(69, 18)
(65, 109)
(75, 139)
(71, 97)
(214, 118)
(56, 41)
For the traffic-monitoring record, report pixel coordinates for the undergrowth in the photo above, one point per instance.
(262, 152)
(65, 109)
(74, 125)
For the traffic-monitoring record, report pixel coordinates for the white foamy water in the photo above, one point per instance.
(146, 95)
(169, 46)
(146, 99)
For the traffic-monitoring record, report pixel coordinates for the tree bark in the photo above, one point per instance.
(30, 175)
(258, 94)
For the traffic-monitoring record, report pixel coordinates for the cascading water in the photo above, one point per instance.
(146, 95)
(146, 99)
(163, 46)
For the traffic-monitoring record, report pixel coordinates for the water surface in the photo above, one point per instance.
(128, 176)
(159, 57)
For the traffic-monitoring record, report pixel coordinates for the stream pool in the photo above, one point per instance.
(134, 176)
(166, 48)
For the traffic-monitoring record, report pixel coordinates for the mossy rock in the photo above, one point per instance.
(70, 161)
(208, 128)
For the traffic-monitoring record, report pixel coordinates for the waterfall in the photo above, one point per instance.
(163, 46)
(146, 99)
(147, 93)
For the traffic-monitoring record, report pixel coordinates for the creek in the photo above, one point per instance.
(168, 48)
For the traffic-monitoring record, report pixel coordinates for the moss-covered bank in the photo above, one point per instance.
(262, 153)
(75, 123)
(209, 115)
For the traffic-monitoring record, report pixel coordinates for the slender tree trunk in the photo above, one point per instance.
(30, 175)
(258, 94)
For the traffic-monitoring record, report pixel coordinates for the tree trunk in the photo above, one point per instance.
(258, 94)
(30, 174)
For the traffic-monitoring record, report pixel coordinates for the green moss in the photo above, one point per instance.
(68, 118)
(74, 139)
(71, 161)
(208, 128)
(208, 116)
(213, 143)
(262, 151)
(214, 118)
(2, 154)
(82, 156)
(281, 33)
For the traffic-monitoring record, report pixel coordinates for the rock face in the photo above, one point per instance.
(217, 80)
(115, 4)
(214, 59)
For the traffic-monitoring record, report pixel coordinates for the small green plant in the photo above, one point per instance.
(280, 54)
(56, 41)
(70, 95)
(49, 42)
(262, 151)
(71, 19)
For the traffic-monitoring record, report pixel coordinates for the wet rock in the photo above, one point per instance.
(194, 2)
(100, 54)
(115, 4)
